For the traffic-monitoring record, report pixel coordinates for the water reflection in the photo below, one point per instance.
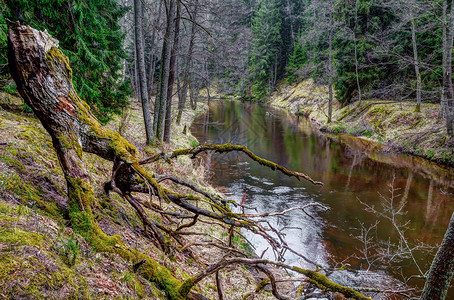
(351, 174)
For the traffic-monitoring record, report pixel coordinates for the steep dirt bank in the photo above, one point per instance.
(40, 255)
(393, 126)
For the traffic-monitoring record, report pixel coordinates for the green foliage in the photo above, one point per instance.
(297, 60)
(90, 35)
(5, 78)
(70, 251)
(266, 45)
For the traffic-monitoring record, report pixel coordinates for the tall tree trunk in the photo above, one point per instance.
(161, 98)
(330, 66)
(442, 268)
(142, 79)
(447, 80)
(193, 94)
(187, 68)
(416, 62)
(445, 56)
(356, 54)
(207, 77)
(172, 67)
(289, 14)
(136, 72)
(151, 69)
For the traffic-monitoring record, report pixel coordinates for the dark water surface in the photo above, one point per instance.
(352, 171)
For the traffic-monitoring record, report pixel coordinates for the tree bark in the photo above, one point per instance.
(187, 68)
(142, 79)
(44, 80)
(161, 103)
(172, 67)
(153, 53)
(330, 66)
(442, 268)
(416, 62)
(445, 55)
(447, 78)
(356, 53)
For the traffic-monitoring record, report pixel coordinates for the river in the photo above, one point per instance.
(355, 173)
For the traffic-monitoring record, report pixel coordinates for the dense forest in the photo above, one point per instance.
(360, 49)
(377, 69)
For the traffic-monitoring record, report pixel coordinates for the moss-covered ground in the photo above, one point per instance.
(394, 125)
(41, 256)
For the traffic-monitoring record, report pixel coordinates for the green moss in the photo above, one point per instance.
(16, 236)
(348, 112)
(13, 184)
(338, 129)
(71, 141)
(11, 150)
(186, 287)
(41, 280)
(414, 124)
(14, 163)
(153, 271)
(430, 154)
(56, 58)
(363, 109)
(382, 110)
(323, 281)
(262, 284)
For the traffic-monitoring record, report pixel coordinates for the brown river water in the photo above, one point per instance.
(355, 173)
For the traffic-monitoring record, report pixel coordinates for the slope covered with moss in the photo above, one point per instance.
(394, 125)
(42, 257)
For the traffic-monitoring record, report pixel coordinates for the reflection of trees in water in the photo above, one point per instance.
(407, 186)
(434, 207)
(357, 159)
(346, 171)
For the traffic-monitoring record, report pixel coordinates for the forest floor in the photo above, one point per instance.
(41, 256)
(390, 126)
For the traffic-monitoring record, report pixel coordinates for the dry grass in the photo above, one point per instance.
(26, 153)
(394, 125)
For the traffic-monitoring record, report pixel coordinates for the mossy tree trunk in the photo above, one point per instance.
(44, 80)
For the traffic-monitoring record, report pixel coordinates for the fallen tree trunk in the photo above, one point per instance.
(44, 80)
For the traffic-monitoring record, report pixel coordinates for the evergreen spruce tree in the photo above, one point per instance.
(266, 46)
(297, 60)
(90, 35)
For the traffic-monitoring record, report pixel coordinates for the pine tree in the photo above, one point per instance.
(297, 60)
